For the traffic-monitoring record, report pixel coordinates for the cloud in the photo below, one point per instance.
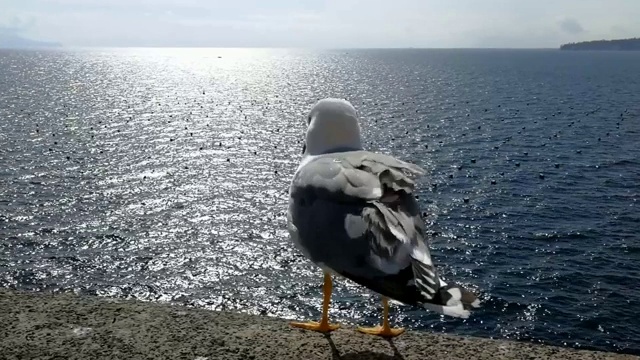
(571, 26)
(6, 30)
(15, 25)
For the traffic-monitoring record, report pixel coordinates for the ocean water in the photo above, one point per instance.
(162, 175)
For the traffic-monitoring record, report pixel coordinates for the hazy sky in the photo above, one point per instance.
(320, 23)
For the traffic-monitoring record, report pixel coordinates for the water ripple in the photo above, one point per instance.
(162, 175)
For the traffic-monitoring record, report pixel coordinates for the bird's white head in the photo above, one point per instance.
(332, 125)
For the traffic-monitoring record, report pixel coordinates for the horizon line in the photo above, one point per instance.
(71, 47)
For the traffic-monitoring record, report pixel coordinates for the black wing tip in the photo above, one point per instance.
(452, 300)
(454, 294)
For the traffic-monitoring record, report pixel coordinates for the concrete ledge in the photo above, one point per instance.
(64, 326)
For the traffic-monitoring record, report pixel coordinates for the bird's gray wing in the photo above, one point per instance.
(355, 214)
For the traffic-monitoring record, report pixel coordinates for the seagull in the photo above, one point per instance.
(353, 213)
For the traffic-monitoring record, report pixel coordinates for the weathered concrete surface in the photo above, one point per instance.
(42, 326)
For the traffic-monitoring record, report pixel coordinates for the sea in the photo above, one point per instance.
(162, 175)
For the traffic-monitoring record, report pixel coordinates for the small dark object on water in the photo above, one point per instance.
(556, 165)
(493, 182)
(466, 199)
(517, 164)
(541, 176)
(473, 161)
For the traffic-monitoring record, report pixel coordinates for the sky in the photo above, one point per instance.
(320, 23)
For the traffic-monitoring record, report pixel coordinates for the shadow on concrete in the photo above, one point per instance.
(363, 355)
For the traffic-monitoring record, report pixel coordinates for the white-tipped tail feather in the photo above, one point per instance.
(455, 301)
(437, 295)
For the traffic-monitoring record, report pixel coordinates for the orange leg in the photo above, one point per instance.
(385, 330)
(323, 326)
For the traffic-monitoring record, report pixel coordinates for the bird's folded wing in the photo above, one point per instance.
(355, 213)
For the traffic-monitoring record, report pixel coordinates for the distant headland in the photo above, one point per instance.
(607, 45)
(13, 41)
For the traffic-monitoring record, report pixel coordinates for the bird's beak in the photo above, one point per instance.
(304, 147)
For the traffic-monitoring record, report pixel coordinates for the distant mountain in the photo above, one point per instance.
(609, 45)
(15, 41)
